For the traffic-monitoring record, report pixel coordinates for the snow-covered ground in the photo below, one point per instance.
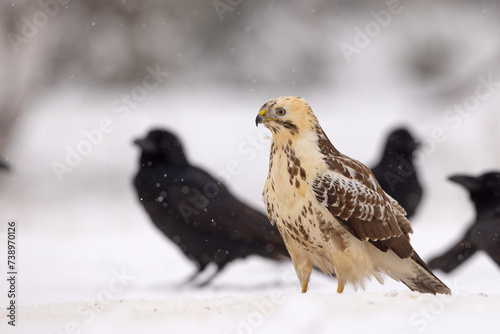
(90, 261)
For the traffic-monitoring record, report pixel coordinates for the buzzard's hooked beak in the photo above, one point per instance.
(261, 118)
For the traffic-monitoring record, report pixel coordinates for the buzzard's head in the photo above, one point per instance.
(161, 145)
(287, 114)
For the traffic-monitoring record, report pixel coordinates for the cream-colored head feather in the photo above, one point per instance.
(288, 116)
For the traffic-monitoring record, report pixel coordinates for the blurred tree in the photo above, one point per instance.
(278, 44)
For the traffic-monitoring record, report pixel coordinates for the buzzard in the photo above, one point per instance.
(330, 209)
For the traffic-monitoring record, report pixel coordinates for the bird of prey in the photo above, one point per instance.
(330, 209)
(484, 233)
(196, 211)
(396, 172)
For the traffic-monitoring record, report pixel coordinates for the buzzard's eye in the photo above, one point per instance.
(280, 112)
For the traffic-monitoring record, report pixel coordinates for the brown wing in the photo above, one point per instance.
(368, 214)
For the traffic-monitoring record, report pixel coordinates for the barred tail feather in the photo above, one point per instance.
(424, 281)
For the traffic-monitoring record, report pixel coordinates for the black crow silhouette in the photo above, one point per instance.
(484, 233)
(3, 165)
(196, 211)
(396, 172)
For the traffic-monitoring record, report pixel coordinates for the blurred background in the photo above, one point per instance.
(79, 80)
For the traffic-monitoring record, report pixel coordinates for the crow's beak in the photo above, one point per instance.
(261, 118)
(144, 144)
(3, 165)
(416, 145)
(469, 182)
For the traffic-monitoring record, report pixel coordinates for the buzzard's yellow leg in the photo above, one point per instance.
(340, 288)
(303, 266)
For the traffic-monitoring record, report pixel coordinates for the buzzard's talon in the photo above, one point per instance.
(304, 287)
(340, 288)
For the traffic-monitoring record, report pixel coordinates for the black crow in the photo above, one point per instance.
(196, 211)
(396, 172)
(484, 233)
